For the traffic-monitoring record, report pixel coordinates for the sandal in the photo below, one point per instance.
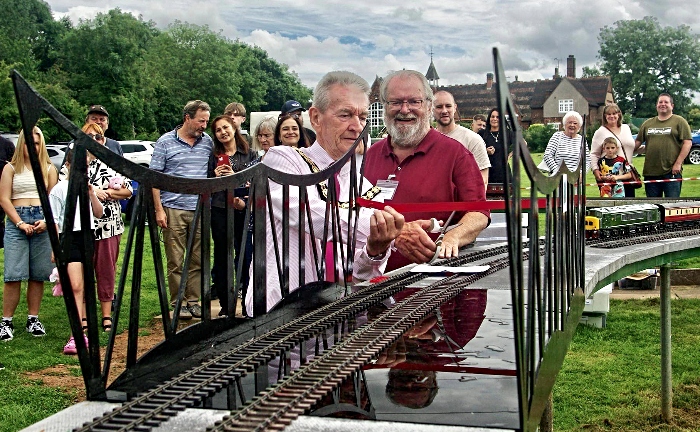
(106, 324)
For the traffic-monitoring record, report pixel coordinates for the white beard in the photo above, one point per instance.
(407, 136)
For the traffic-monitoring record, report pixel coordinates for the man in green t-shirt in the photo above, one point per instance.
(668, 142)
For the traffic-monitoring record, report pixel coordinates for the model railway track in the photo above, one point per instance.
(278, 407)
(642, 238)
(196, 385)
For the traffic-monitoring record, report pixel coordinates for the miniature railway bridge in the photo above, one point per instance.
(475, 344)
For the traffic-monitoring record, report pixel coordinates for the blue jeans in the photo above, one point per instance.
(667, 189)
(27, 257)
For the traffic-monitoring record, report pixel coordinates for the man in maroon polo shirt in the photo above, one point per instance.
(422, 165)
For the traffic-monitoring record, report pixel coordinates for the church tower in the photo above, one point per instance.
(432, 75)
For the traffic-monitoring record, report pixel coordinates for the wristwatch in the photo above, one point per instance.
(376, 257)
(20, 223)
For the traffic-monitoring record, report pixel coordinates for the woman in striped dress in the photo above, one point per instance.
(565, 146)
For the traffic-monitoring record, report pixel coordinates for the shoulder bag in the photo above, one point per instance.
(636, 180)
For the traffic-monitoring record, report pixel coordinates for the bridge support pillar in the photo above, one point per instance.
(666, 380)
(547, 420)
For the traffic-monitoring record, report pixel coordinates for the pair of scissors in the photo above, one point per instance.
(445, 229)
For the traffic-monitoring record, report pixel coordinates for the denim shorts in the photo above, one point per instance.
(27, 257)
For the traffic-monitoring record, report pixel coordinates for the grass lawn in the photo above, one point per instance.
(26, 401)
(611, 377)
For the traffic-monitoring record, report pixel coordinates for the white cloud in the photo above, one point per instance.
(372, 38)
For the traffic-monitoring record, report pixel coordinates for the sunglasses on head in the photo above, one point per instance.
(289, 115)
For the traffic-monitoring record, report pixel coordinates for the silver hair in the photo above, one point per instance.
(268, 123)
(574, 114)
(384, 86)
(322, 99)
(193, 106)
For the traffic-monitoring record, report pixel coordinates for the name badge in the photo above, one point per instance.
(388, 189)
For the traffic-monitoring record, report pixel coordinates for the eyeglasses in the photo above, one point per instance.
(289, 115)
(96, 137)
(264, 136)
(412, 103)
(238, 115)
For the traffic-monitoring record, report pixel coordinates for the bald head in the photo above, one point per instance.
(444, 109)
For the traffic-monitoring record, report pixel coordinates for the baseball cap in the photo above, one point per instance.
(291, 105)
(98, 109)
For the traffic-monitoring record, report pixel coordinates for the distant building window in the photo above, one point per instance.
(566, 105)
(376, 117)
(556, 126)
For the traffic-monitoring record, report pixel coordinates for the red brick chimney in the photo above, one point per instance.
(571, 66)
(489, 81)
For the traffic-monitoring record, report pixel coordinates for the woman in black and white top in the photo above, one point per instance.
(110, 187)
(565, 146)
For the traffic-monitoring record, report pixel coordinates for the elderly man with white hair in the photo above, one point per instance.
(423, 166)
(338, 114)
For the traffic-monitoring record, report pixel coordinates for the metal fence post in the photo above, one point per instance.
(666, 380)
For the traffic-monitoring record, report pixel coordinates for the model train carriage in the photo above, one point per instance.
(621, 220)
(680, 213)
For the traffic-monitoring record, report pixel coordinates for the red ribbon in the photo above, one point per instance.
(447, 206)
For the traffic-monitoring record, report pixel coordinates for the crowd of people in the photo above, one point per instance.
(461, 162)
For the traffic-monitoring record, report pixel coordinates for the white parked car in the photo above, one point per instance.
(10, 136)
(138, 151)
(57, 154)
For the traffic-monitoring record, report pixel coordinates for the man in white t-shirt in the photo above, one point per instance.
(444, 109)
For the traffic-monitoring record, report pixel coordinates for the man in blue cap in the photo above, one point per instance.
(294, 108)
(98, 114)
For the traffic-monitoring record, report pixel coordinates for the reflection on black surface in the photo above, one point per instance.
(412, 388)
(446, 369)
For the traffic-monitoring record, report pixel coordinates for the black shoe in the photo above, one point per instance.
(195, 309)
(184, 314)
(7, 330)
(35, 327)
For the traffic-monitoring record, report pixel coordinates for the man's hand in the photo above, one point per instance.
(677, 168)
(384, 226)
(161, 218)
(469, 227)
(450, 244)
(414, 242)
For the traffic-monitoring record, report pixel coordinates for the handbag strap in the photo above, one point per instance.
(620, 141)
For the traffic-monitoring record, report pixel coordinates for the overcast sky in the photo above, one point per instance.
(374, 37)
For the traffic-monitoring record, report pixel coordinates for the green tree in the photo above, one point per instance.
(100, 57)
(28, 35)
(144, 76)
(693, 116)
(281, 84)
(644, 59)
(537, 136)
(188, 62)
(589, 72)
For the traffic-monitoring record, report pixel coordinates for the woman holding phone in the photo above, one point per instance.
(231, 154)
